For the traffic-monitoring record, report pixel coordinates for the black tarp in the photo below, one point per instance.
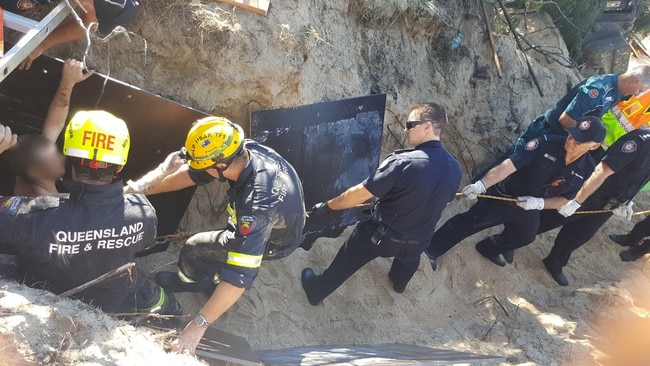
(157, 125)
(332, 145)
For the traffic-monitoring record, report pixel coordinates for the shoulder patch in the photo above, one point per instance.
(593, 93)
(532, 144)
(629, 147)
(10, 205)
(246, 224)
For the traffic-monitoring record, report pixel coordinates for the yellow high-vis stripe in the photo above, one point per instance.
(244, 260)
(184, 278)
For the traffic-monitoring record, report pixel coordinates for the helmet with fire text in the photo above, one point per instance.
(212, 140)
(98, 137)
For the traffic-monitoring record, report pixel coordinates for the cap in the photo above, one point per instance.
(588, 129)
(112, 13)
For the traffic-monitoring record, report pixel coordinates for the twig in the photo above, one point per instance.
(119, 271)
(514, 33)
(496, 318)
(495, 56)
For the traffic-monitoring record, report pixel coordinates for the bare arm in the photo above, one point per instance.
(602, 172)
(71, 74)
(350, 198)
(498, 173)
(225, 296)
(566, 121)
(66, 32)
(173, 182)
(554, 202)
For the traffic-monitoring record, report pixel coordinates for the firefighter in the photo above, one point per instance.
(63, 243)
(546, 174)
(267, 216)
(615, 181)
(413, 186)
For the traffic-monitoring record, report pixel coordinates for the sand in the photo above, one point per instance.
(229, 62)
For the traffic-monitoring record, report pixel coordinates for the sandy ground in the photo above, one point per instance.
(229, 62)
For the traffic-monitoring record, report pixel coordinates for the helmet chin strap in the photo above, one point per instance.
(220, 171)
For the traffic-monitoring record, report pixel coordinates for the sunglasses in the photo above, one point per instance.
(410, 124)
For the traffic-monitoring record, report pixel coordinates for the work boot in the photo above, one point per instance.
(170, 282)
(635, 253)
(432, 261)
(558, 276)
(397, 288)
(481, 247)
(509, 256)
(306, 277)
(625, 240)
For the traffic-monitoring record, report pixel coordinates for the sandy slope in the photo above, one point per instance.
(303, 53)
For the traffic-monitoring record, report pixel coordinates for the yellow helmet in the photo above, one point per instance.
(212, 140)
(97, 136)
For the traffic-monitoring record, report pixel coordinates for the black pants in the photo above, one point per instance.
(576, 231)
(641, 229)
(357, 251)
(520, 227)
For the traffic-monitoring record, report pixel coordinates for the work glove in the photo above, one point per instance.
(569, 208)
(320, 209)
(624, 211)
(171, 164)
(530, 203)
(473, 190)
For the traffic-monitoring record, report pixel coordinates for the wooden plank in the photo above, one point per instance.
(382, 354)
(260, 7)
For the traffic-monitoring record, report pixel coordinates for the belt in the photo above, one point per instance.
(402, 241)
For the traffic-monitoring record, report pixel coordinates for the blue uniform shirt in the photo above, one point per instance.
(629, 158)
(591, 97)
(413, 187)
(267, 213)
(542, 172)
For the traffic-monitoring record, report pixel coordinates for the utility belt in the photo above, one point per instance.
(384, 232)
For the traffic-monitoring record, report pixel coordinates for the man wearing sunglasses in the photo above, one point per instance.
(413, 187)
(267, 217)
(546, 174)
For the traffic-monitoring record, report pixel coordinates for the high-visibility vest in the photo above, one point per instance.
(626, 116)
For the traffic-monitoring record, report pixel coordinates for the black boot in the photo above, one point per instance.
(509, 256)
(635, 253)
(557, 275)
(170, 282)
(483, 248)
(625, 240)
(306, 279)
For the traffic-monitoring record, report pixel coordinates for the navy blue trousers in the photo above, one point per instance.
(357, 251)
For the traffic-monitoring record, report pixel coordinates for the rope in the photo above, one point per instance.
(508, 199)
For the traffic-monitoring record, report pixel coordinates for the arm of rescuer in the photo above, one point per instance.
(600, 174)
(243, 263)
(493, 176)
(172, 174)
(66, 32)
(72, 73)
